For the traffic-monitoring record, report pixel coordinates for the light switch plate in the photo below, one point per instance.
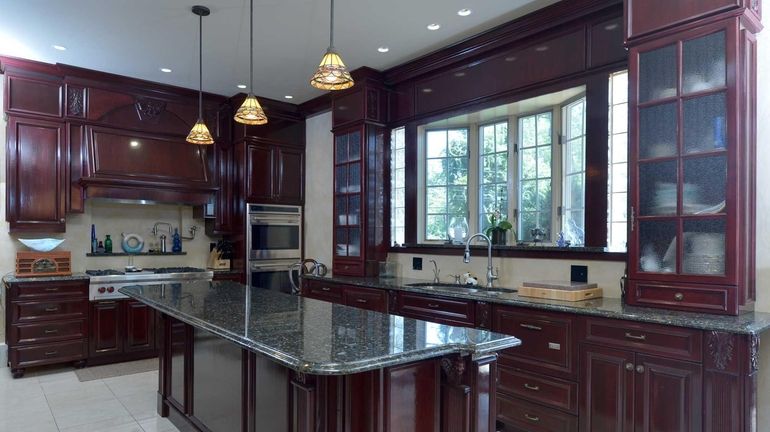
(416, 263)
(579, 273)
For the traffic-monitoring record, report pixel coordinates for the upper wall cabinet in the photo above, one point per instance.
(274, 172)
(645, 17)
(34, 95)
(36, 175)
(692, 165)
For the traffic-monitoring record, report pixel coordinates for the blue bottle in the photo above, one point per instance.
(176, 241)
(94, 242)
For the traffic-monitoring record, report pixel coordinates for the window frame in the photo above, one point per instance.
(510, 175)
(563, 143)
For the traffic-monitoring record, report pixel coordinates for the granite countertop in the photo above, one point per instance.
(746, 323)
(312, 336)
(11, 278)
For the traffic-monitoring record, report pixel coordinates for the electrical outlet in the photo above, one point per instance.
(579, 273)
(416, 263)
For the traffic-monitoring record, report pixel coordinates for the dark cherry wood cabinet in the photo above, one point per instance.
(46, 323)
(36, 163)
(692, 99)
(121, 330)
(366, 298)
(448, 311)
(274, 172)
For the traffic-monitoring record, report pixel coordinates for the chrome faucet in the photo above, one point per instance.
(436, 272)
(491, 274)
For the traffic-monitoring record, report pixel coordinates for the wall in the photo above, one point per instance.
(319, 160)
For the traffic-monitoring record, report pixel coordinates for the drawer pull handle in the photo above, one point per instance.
(678, 296)
(531, 417)
(531, 327)
(52, 331)
(52, 289)
(325, 289)
(629, 366)
(640, 369)
(636, 337)
(51, 353)
(52, 309)
(433, 305)
(529, 386)
(361, 300)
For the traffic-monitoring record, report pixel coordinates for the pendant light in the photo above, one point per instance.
(251, 112)
(200, 133)
(332, 74)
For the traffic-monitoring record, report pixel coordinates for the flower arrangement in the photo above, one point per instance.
(498, 227)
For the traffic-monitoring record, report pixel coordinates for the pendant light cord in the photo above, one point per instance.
(251, 48)
(200, 67)
(331, 26)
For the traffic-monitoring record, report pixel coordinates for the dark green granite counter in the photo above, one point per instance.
(312, 336)
(746, 323)
(11, 278)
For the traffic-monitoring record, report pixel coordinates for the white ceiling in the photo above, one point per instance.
(138, 37)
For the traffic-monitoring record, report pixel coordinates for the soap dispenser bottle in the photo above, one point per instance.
(176, 241)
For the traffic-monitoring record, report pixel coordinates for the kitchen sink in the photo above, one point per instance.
(461, 288)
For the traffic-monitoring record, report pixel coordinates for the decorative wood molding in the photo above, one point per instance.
(149, 109)
(454, 369)
(721, 348)
(754, 353)
(75, 101)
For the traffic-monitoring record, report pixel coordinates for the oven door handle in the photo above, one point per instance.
(268, 221)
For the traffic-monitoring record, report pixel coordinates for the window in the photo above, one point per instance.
(397, 186)
(493, 169)
(617, 199)
(535, 209)
(574, 172)
(446, 180)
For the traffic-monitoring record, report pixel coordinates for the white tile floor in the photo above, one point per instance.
(53, 400)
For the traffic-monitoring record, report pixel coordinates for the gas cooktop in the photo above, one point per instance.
(149, 274)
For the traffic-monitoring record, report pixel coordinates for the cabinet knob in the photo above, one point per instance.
(640, 369)
(678, 296)
(629, 366)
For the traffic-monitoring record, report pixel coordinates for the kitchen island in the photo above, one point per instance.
(240, 359)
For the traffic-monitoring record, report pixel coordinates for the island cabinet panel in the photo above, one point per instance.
(36, 95)
(217, 383)
(46, 323)
(36, 166)
(412, 394)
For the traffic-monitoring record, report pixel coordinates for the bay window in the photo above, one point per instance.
(446, 180)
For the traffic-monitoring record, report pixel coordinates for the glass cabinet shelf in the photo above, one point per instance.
(347, 194)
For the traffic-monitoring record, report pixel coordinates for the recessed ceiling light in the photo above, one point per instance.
(166, 70)
(59, 47)
(434, 26)
(241, 86)
(289, 97)
(134, 143)
(464, 12)
(383, 49)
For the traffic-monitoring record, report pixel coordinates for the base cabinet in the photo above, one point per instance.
(627, 391)
(121, 330)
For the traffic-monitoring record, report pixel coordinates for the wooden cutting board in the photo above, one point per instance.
(560, 290)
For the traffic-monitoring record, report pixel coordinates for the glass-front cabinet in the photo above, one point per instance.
(692, 150)
(347, 194)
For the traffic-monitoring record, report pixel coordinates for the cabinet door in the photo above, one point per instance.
(366, 298)
(106, 328)
(36, 170)
(261, 173)
(224, 213)
(606, 396)
(290, 179)
(140, 327)
(667, 395)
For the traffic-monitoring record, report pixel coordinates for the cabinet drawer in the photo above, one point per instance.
(34, 355)
(677, 342)
(692, 297)
(366, 298)
(41, 310)
(36, 290)
(440, 310)
(547, 340)
(348, 268)
(549, 391)
(519, 415)
(322, 291)
(47, 332)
